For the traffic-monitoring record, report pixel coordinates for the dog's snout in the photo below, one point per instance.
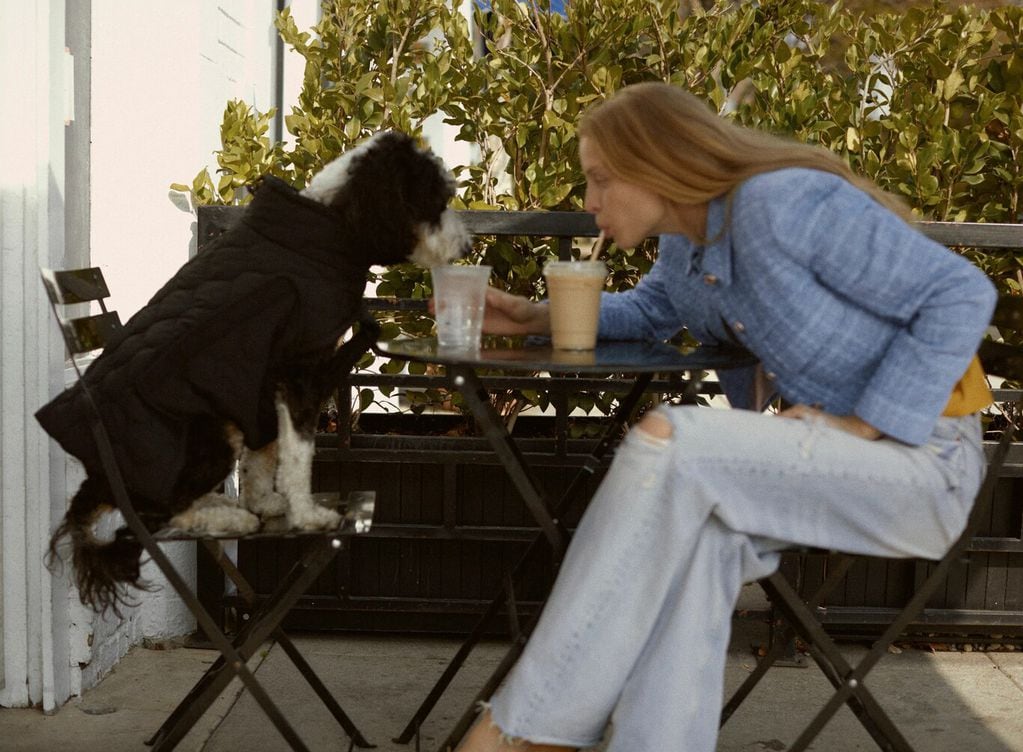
(442, 243)
(461, 238)
(466, 246)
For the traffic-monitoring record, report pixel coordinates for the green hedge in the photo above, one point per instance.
(926, 102)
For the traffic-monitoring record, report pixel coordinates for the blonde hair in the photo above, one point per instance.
(668, 141)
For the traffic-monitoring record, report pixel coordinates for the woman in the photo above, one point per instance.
(867, 329)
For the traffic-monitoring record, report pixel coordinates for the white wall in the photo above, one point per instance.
(162, 73)
(33, 615)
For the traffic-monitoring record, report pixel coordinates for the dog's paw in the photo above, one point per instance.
(270, 504)
(310, 516)
(226, 519)
(212, 500)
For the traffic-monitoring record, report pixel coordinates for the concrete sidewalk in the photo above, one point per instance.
(943, 702)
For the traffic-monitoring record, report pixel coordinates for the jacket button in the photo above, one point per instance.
(739, 326)
(710, 279)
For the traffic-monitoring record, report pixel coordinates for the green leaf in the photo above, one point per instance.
(852, 139)
(952, 84)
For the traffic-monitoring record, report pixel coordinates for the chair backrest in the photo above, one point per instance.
(82, 334)
(1004, 358)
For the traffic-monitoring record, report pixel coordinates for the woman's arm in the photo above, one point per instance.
(646, 312)
(655, 309)
(940, 303)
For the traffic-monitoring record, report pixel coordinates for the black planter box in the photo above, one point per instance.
(449, 525)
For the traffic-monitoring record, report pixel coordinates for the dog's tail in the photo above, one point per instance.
(100, 569)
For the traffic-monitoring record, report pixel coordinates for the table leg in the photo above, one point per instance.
(470, 382)
(476, 397)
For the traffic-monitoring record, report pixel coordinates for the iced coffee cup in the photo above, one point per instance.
(573, 289)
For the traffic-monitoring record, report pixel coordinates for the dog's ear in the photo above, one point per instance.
(393, 188)
(425, 194)
(420, 180)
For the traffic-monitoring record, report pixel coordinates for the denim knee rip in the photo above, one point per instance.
(503, 738)
(650, 439)
(655, 442)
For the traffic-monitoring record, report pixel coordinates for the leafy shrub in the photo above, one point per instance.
(926, 102)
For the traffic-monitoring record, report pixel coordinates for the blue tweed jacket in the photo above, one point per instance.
(846, 306)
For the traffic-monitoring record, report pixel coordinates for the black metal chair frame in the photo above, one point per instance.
(798, 612)
(88, 333)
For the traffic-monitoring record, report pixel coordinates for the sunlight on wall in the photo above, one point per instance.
(162, 73)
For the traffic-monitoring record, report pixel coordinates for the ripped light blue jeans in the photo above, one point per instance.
(637, 627)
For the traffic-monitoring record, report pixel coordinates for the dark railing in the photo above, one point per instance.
(565, 225)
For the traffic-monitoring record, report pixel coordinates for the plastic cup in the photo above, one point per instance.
(573, 289)
(459, 299)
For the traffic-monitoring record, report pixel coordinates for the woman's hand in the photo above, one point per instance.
(513, 314)
(509, 314)
(848, 423)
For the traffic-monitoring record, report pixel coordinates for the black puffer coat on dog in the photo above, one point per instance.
(235, 303)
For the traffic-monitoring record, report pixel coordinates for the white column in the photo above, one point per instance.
(34, 662)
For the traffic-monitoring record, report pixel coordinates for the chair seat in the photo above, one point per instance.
(356, 519)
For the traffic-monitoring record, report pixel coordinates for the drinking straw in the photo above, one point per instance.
(597, 247)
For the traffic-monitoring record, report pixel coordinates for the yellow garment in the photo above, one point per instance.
(970, 394)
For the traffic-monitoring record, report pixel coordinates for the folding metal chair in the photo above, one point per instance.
(87, 333)
(797, 613)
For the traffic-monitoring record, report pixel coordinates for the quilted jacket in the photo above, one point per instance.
(277, 289)
(847, 306)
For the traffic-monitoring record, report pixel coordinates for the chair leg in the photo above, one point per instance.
(317, 555)
(215, 680)
(233, 662)
(791, 568)
(248, 642)
(780, 643)
(358, 740)
(770, 658)
(248, 594)
(847, 682)
(206, 622)
(850, 689)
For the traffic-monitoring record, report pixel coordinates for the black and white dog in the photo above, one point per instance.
(233, 357)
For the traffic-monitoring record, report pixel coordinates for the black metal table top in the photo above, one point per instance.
(610, 356)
